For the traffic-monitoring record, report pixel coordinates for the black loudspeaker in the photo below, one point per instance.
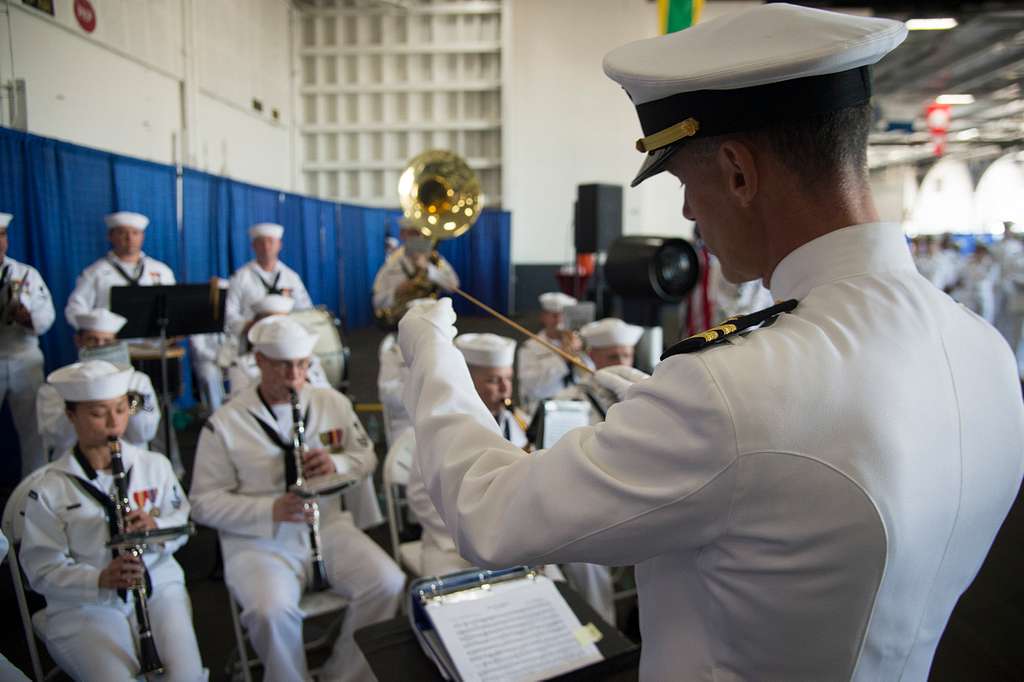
(598, 217)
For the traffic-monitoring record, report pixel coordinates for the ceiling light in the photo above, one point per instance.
(969, 134)
(943, 24)
(955, 99)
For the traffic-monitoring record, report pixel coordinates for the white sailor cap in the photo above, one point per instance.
(282, 338)
(742, 71)
(126, 219)
(266, 230)
(556, 301)
(90, 380)
(5, 220)
(99, 320)
(611, 331)
(273, 304)
(486, 350)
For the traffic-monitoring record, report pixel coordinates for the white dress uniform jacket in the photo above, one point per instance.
(542, 374)
(390, 382)
(806, 502)
(250, 284)
(92, 290)
(239, 472)
(89, 629)
(59, 435)
(21, 361)
(397, 269)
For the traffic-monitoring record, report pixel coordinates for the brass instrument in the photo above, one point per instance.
(10, 292)
(320, 581)
(148, 656)
(440, 197)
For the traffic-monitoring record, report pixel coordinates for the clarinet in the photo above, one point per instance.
(299, 449)
(148, 656)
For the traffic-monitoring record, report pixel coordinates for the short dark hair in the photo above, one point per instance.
(818, 148)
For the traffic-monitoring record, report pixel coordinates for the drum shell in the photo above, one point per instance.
(329, 347)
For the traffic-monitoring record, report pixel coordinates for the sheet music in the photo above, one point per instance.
(515, 631)
(562, 416)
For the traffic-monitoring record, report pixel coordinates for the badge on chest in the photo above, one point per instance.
(332, 440)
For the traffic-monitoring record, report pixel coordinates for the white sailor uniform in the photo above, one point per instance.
(58, 435)
(251, 284)
(21, 361)
(542, 373)
(210, 375)
(807, 501)
(398, 269)
(92, 289)
(239, 472)
(390, 380)
(89, 630)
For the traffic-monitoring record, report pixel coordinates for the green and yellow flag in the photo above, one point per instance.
(675, 15)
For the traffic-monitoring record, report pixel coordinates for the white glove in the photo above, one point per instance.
(619, 378)
(435, 320)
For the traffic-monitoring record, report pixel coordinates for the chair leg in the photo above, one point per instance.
(26, 618)
(243, 652)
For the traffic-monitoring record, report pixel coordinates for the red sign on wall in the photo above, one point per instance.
(86, 15)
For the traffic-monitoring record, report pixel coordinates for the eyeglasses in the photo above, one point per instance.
(283, 365)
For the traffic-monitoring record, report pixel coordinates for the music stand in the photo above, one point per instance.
(163, 311)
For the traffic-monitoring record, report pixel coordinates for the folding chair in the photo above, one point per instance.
(397, 467)
(313, 605)
(13, 526)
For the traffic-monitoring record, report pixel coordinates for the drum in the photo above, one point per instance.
(146, 359)
(329, 347)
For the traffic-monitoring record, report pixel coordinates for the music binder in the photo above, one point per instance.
(511, 624)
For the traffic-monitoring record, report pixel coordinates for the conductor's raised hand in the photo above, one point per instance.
(289, 508)
(434, 320)
(317, 463)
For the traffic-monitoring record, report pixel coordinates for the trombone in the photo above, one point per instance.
(440, 197)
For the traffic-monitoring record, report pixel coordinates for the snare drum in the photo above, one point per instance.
(146, 359)
(329, 347)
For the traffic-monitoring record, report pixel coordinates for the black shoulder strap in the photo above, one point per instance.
(730, 326)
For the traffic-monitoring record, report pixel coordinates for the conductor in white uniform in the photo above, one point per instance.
(240, 487)
(124, 265)
(805, 491)
(263, 275)
(26, 313)
(98, 330)
(542, 373)
(89, 626)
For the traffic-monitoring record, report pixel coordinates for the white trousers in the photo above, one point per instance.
(21, 376)
(594, 583)
(268, 587)
(94, 642)
(211, 383)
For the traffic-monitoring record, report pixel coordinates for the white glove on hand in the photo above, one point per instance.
(425, 321)
(619, 378)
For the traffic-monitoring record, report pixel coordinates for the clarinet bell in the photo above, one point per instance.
(148, 657)
(320, 582)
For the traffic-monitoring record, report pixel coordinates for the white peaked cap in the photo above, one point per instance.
(486, 350)
(100, 320)
(90, 380)
(282, 338)
(126, 219)
(273, 304)
(556, 301)
(737, 72)
(5, 220)
(266, 230)
(611, 331)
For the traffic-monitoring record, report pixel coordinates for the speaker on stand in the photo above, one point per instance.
(598, 223)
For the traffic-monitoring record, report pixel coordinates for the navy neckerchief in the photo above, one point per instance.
(133, 279)
(271, 288)
(290, 471)
(108, 508)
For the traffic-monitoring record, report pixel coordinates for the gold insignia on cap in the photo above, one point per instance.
(673, 133)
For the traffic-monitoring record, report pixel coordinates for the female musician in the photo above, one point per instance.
(90, 627)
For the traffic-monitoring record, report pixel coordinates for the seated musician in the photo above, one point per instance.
(245, 463)
(90, 627)
(542, 373)
(489, 358)
(98, 330)
(412, 271)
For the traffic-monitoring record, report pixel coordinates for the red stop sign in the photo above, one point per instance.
(86, 15)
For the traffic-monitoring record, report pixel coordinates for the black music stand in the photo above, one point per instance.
(163, 311)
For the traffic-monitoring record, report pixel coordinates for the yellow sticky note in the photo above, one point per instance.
(588, 634)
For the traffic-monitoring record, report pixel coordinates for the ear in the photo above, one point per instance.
(736, 162)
